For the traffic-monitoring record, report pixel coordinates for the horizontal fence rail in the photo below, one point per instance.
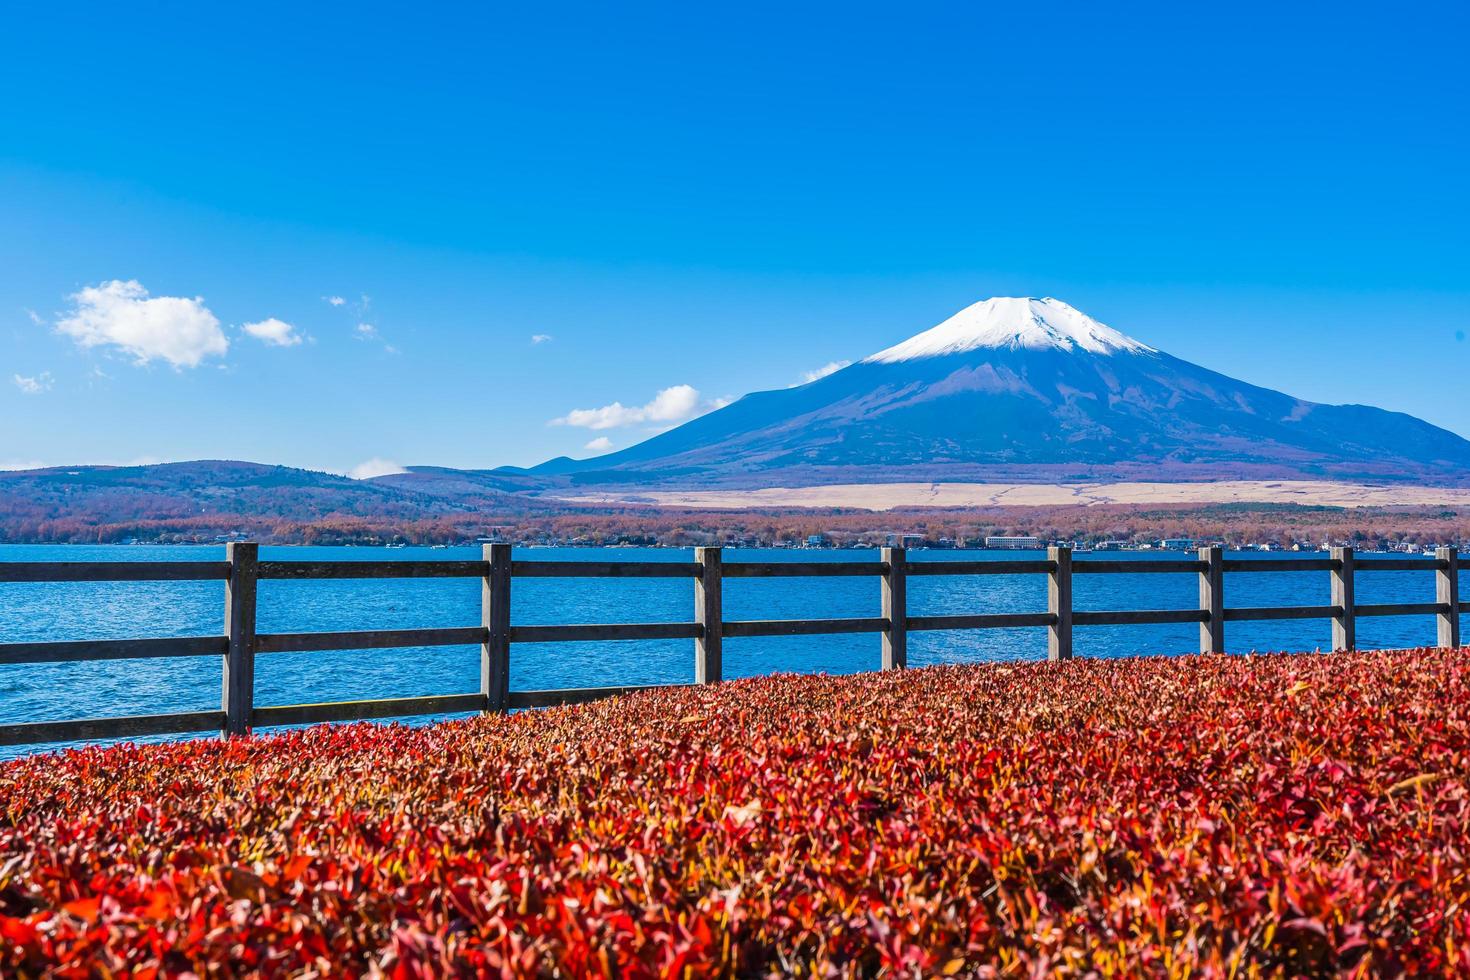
(240, 644)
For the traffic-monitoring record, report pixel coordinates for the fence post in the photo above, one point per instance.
(1059, 604)
(896, 609)
(1212, 600)
(709, 613)
(1344, 626)
(1447, 593)
(495, 618)
(237, 697)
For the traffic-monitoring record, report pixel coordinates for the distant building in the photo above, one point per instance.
(816, 540)
(1177, 544)
(1016, 541)
(901, 539)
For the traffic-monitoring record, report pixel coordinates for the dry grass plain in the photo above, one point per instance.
(891, 496)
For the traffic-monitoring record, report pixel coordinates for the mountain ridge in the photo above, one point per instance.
(1012, 383)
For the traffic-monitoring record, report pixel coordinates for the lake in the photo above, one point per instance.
(76, 611)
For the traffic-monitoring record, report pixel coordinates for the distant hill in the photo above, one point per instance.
(1028, 389)
(80, 503)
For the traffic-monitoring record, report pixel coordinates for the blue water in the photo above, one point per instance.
(73, 611)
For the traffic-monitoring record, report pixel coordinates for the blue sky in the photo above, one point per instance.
(675, 196)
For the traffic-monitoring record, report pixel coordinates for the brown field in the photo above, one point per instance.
(891, 496)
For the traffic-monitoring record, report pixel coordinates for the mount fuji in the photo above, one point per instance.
(1028, 389)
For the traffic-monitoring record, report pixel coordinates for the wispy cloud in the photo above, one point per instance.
(334, 300)
(670, 406)
(121, 314)
(540, 338)
(277, 333)
(377, 466)
(34, 385)
(817, 374)
(36, 318)
(368, 333)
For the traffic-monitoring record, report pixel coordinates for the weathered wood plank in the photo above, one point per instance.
(895, 609)
(370, 569)
(605, 631)
(1114, 567)
(802, 569)
(1401, 609)
(1261, 613)
(1137, 617)
(1281, 565)
(495, 591)
(113, 571)
(368, 639)
(980, 621)
(1447, 592)
(1212, 600)
(709, 614)
(1004, 566)
(579, 695)
(73, 651)
(314, 714)
(803, 627)
(604, 569)
(237, 695)
(1059, 604)
(1345, 623)
(134, 726)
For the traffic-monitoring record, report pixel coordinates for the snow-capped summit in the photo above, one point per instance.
(1013, 322)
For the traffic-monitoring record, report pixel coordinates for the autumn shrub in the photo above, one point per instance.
(1227, 816)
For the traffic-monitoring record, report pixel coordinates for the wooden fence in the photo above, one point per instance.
(240, 644)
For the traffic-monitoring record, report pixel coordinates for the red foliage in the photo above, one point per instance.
(1221, 815)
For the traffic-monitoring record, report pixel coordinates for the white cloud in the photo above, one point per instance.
(599, 445)
(817, 374)
(277, 333)
(540, 338)
(672, 405)
(366, 331)
(334, 300)
(377, 466)
(34, 385)
(120, 314)
(36, 318)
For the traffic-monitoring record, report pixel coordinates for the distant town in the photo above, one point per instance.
(839, 540)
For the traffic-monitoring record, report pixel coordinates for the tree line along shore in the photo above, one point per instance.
(1272, 526)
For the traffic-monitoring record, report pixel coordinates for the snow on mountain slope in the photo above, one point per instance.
(1013, 322)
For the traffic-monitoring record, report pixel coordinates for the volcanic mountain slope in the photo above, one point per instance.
(1020, 388)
